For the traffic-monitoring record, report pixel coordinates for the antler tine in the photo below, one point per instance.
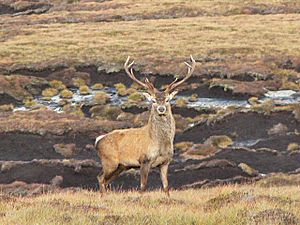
(176, 83)
(129, 70)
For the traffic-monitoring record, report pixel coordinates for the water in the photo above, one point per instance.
(281, 97)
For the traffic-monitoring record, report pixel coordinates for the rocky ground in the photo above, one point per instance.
(55, 99)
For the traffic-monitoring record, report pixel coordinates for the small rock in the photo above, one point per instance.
(278, 129)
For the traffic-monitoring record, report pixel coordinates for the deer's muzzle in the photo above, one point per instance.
(161, 109)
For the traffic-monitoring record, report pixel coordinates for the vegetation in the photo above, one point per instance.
(243, 37)
(97, 86)
(220, 205)
(84, 90)
(66, 93)
(50, 92)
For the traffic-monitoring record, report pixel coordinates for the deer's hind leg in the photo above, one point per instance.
(108, 175)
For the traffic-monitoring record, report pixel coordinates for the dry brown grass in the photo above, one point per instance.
(220, 205)
(44, 121)
(232, 40)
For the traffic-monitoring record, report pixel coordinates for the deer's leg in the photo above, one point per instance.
(164, 178)
(115, 174)
(145, 167)
(106, 176)
(101, 181)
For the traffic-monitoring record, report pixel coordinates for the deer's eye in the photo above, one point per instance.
(154, 100)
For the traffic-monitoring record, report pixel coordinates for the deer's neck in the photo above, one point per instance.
(161, 128)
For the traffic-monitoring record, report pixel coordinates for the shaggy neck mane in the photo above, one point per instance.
(161, 128)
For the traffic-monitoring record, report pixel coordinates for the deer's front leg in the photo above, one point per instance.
(164, 177)
(145, 167)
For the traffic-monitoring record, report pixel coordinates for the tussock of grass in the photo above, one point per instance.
(220, 205)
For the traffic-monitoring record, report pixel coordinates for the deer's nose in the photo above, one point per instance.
(161, 109)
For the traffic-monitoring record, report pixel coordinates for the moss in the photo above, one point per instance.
(253, 101)
(221, 141)
(184, 145)
(293, 147)
(97, 86)
(66, 150)
(100, 98)
(131, 91)
(29, 103)
(181, 102)
(73, 109)
(5, 108)
(193, 98)
(84, 90)
(78, 82)
(136, 97)
(106, 112)
(289, 85)
(120, 86)
(265, 107)
(248, 169)
(66, 93)
(121, 89)
(49, 92)
(135, 86)
(57, 84)
(63, 102)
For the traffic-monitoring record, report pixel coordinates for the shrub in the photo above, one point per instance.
(97, 86)
(293, 147)
(57, 84)
(66, 93)
(84, 90)
(136, 97)
(100, 98)
(49, 92)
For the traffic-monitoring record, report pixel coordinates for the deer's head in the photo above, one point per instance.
(160, 99)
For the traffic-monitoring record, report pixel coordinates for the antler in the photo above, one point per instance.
(176, 83)
(128, 68)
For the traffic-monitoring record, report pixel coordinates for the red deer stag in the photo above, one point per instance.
(145, 147)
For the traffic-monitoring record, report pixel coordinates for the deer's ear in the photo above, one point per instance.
(148, 96)
(172, 95)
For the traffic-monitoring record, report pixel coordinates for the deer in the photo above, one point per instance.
(144, 147)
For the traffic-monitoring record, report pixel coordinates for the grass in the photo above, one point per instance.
(233, 204)
(218, 30)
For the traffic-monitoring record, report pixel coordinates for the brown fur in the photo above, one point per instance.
(145, 147)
